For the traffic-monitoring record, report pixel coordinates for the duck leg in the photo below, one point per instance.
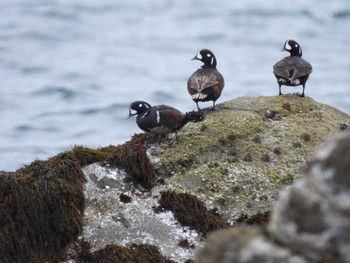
(303, 93)
(198, 109)
(279, 87)
(213, 105)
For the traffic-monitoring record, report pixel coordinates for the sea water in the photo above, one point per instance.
(69, 69)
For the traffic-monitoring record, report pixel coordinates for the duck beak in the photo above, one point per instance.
(198, 56)
(283, 49)
(131, 114)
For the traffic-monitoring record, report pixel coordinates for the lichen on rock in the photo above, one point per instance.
(244, 153)
(310, 222)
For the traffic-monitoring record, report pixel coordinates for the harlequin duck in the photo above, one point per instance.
(292, 70)
(206, 83)
(161, 119)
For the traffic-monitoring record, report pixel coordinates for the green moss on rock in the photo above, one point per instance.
(257, 144)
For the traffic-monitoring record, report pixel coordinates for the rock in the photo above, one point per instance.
(235, 162)
(110, 220)
(244, 244)
(310, 222)
(244, 153)
(225, 170)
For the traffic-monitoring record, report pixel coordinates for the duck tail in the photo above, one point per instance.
(194, 116)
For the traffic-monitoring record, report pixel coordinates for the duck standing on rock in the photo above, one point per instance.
(292, 70)
(161, 119)
(206, 83)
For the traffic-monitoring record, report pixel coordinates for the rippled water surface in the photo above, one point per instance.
(69, 69)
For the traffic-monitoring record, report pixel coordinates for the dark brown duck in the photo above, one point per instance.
(206, 83)
(292, 70)
(161, 119)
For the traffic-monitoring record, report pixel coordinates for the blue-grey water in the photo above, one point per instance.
(70, 68)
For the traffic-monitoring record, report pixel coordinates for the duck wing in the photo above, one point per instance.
(292, 68)
(203, 79)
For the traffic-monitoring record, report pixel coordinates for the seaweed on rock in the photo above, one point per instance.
(132, 157)
(113, 253)
(260, 218)
(41, 211)
(190, 211)
(42, 204)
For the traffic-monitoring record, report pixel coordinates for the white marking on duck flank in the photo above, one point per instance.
(158, 116)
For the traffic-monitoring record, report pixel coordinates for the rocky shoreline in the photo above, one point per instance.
(162, 202)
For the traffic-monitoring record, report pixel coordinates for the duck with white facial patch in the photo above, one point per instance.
(292, 70)
(161, 119)
(206, 83)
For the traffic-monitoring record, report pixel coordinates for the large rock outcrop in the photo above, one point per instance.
(225, 170)
(235, 162)
(243, 154)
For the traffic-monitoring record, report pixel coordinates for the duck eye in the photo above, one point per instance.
(296, 45)
(208, 55)
(140, 105)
